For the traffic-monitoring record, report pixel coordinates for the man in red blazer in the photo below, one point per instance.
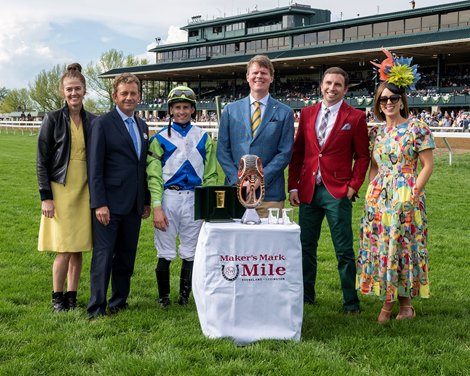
(328, 166)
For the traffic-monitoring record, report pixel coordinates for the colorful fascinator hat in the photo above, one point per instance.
(398, 71)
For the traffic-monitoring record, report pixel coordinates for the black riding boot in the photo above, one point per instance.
(185, 282)
(70, 299)
(163, 281)
(58, 304)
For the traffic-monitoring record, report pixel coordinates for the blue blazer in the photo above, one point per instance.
(273, 143)
(116, 175)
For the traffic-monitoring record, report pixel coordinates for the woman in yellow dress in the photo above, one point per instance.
(62, 176)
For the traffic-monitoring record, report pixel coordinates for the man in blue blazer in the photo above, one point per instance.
(117, 152)
(267, 133)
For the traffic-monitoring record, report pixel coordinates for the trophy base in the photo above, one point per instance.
(251, 217)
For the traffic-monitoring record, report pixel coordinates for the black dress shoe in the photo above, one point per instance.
(116, 309)
(352, 312)
(96, 315)
(164, 302)
(183, 300)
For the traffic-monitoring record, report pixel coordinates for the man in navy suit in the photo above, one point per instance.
(117, 151)
(270, 138)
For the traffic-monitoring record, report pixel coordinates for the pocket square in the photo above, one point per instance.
(346, 127)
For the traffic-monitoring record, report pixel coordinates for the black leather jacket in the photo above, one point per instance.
(54, 148)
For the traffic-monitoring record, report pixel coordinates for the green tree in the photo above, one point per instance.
(17, 100)
(45, 89)
(3, 93)
(93, 106)
(109, 60)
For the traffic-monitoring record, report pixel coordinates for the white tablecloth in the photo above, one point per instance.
(247, 281)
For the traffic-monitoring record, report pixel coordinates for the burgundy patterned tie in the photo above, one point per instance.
(321, 138)
(323, 126)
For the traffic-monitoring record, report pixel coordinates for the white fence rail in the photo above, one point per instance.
(212, 128)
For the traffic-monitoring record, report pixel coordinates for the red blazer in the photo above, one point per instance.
(347, 142)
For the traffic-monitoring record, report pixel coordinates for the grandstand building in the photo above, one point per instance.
(302, 42)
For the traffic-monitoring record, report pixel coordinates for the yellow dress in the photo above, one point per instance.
(70, 229)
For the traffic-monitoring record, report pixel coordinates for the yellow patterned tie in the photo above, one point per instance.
(255, 119)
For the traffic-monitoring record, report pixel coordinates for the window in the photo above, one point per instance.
(273, 44)
(278, 43)
(217, 29)
(449, 20)
(430, 23)
(396, 27)
(163, 56)
(250, 46)
(288, 21)
(350, 33)
(380, 29)
(324, 37)
(197, 52)
(336, 35)
(310, 39)
(217, 50)
(240, 47)
(230, 48)
(235, 26)
(299, 40)
(179, 54)
(284, 43)
(364, 31)
(413, 25)
(256, 45)
(193, 33)
(464, 18)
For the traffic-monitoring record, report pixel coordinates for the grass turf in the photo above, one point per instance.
(147, 340)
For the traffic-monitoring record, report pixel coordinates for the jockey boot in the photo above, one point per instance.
(185, 282)
(163, 283)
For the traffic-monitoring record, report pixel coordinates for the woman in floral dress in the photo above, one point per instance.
(393, 255)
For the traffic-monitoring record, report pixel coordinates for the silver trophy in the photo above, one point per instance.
(250, 187)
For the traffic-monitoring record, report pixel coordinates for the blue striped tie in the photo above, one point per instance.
(130, 128)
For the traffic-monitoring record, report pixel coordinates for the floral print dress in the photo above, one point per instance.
(393, 255)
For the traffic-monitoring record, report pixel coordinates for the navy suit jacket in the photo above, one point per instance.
(116, 176)
(273, 143)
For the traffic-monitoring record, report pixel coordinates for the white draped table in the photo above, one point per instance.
(247, 281)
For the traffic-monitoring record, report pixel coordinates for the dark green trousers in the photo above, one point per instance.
(339, 216)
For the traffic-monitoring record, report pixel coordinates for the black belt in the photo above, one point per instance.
(174, 188)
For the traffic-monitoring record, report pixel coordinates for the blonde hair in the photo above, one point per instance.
(262, 61)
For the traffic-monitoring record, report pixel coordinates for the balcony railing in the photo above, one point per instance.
(439, 100)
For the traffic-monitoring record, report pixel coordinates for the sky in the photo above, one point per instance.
(37, 35)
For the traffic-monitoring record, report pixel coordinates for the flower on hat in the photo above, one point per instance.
(398, 71)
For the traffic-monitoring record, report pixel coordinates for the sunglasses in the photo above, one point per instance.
(393, 98)
(184, 93)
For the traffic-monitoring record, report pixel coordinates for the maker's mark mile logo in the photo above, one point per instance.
(230, 273)
(258, 267)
